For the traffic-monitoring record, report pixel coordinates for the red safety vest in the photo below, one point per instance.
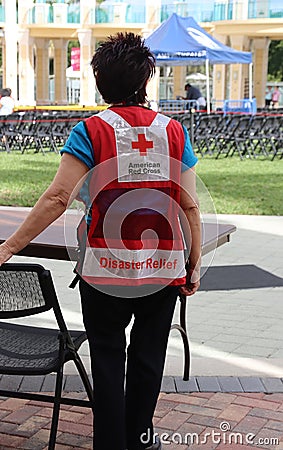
(134, 237)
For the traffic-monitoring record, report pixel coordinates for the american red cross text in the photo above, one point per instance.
(142, 144)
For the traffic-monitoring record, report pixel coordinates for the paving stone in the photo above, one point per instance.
(21, 415)
(267, 413)
(8, 441)
(173, 420)
(208, 384)
(74, 428)
(207, 395)
(186, 386)
(3, 413)
(275, 425)
(168, 384)
(164, 406)
(189, 428)
(267, 438)
(278, 398)
(70, 416)
(221, 398)
(8, 428)
(10, 383)
(12, 404)
(272, 384)
(230, 384)
(184, 398)
(31, 426)
(250, 424)
(48, 383)
(73, 383)
(252, 384)
(31, 383)
(234, 412)
(255, 403)
(258, 395)
(196, 409)
(38, 441)
(76, 441)
(208, 421)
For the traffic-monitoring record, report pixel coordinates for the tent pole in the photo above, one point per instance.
(207, 86)
(250, 81)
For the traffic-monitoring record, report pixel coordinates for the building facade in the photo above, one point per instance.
(35, 32)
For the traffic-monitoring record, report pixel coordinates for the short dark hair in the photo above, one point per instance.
(122, 65)
(5, 92)
(187, 85)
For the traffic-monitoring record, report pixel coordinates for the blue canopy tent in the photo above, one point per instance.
(180, 41)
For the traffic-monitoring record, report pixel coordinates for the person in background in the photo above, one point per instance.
(193, 93)
(268, 97)
(7, 103)
(276, 97)
(141, 182)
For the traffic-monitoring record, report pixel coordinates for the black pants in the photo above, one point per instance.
(124, 408)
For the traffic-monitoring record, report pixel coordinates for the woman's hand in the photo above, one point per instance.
(5, 253)
(192, 282)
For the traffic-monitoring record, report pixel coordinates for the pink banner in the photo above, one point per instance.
(75, 58)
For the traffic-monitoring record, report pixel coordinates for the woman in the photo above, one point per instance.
(7, 103)
(140, 175)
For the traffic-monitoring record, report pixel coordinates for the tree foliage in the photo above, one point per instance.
(71, 44)
(275, 61)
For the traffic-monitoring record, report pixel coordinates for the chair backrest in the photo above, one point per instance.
(27, 289)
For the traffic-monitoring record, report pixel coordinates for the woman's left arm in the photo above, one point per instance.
(48, 208)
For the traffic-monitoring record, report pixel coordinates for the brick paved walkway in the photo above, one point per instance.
(256, 417)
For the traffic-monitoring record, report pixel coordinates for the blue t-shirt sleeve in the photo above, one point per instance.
(189, 159)
(79, 145)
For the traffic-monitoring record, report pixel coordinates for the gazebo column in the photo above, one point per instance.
(87, 82)
(26, 68)
(60, 66)
(10, 49)
(86, 7)
(152, 88)
(260, 51)
(219, 78)
(238, 73)
(153, 13)
(179, 81)
(42, 72)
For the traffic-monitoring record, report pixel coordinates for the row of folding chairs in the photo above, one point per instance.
(39, 131)
(215, 134)
(247, 135)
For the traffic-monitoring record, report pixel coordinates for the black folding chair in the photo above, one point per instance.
(277, 137)
(226, 140)
(25, 290)
(10, 131)
(200, 133)
(43, 135)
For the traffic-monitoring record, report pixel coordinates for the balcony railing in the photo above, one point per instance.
(199, 11)
(2, 13)
(60, 13)
(222, 10)
(116, 12)
(119, 13)
(264, 8)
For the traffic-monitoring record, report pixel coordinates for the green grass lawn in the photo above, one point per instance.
(25, 177)
(235, 186)
(243, 187)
